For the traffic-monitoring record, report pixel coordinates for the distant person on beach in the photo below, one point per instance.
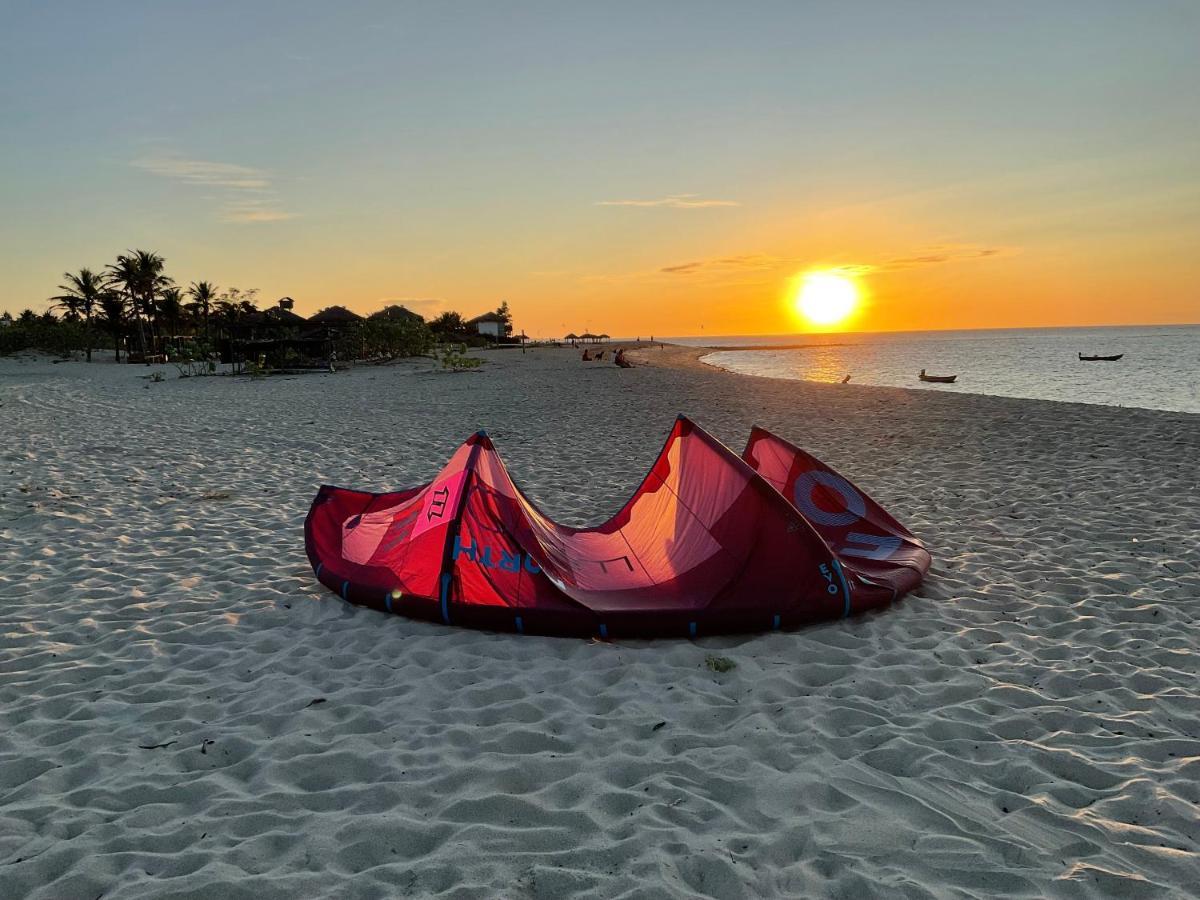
(587, 356)
(621, 361)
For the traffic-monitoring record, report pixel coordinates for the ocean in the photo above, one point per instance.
(1160, 368)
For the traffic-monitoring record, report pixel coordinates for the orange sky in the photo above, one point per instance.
(617, 170)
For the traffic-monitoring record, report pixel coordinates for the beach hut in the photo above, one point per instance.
(276, 336)
(588, 338)
(397, 313)
(335, 316)
(340, 329)
(489, 325)
(278, 318)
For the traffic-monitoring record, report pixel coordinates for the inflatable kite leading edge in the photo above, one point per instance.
(709, 542)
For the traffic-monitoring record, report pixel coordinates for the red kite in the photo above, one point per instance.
(709, 542)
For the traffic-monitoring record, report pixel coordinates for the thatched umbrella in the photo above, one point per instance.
(571, 337)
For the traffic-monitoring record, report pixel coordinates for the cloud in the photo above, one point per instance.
(255, 214)
(759, 261)
(935, 256)
(246, 194)
(931, 256)
(674, 201)
(198, 171)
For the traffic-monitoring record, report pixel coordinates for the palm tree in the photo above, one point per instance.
(139, 275)
(79, 298)
(125, 276)
(170, 308)
(113, 320)
(204, 295)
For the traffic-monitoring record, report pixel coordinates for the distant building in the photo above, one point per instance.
(397, 313)
(277, 317)
(489, 325)
(334, 315)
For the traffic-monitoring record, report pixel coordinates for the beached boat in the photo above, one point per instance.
(937, 379)
(1083, 358)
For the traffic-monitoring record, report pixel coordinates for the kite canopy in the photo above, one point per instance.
(709, 542)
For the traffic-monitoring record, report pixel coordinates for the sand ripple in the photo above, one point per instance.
(184, 712)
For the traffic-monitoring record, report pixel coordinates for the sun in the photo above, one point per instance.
(826, 298)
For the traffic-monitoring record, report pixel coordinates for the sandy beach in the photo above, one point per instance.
(186, 712)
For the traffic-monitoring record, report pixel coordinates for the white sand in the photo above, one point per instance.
(1026, 725)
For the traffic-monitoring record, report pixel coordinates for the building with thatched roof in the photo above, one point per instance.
(397, 313)
(278, 316)
(335, 315)
(489, 325)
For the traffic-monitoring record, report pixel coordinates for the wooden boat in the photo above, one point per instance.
(937, 379)
(1083, 358)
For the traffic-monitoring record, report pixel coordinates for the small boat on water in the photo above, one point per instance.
(1083, 358)
(937, 379)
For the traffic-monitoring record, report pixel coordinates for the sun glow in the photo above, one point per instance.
(826, 298)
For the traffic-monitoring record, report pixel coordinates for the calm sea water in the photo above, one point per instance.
(1160, 369)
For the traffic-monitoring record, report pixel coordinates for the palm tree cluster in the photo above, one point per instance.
(134, 300)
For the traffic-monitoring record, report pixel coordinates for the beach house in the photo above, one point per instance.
(489, 325)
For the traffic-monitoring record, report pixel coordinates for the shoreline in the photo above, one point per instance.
(688, 358)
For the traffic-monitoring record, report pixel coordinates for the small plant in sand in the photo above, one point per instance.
(454, 357)
(257, 368)
(720, 663)
(196, 360)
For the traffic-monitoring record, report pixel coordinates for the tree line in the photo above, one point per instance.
(131, 301)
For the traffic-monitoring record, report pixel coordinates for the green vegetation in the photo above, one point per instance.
(720, 663)
(454, 358)
(257, 367)
(131, 304)
(133, 307)
(29, 331)
(389, 339)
